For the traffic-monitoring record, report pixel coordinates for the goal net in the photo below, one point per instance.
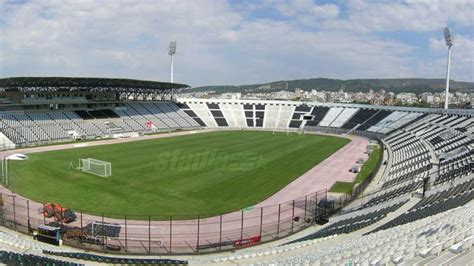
(96, 167)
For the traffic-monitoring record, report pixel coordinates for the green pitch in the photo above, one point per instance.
(207, 173)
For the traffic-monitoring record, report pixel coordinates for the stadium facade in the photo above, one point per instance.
(424, 196)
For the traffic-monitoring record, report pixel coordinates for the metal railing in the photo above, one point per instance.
(180, 234)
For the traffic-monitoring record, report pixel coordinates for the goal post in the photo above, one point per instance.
(95, 167)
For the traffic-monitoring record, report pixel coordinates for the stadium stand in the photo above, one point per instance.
(353, 223)
(346, 114)
(32, 128)
(439, 238)
(372, 121)
(419, 210)
(360, 117)
(17, 250)
(283, 116)
(422, 147)
(318, 114)
(394, 121)
(331, 115)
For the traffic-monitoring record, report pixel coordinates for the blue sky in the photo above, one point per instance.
(235, 42)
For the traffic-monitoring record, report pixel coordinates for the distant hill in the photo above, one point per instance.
(415, 85)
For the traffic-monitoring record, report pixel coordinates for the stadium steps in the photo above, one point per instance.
(128, 119)
(377, 117)
(359, 118)
(114, 129)
(390, 216)
(421, 117)
(343, 115)
(39, 127)
(448, 258)
(75, 124)
(82, 126)
(183, 122)
(56, 122)
(192, 123)
(148, 116)
(144, 106)
(165, 114)
(33, 132)
(13, 134)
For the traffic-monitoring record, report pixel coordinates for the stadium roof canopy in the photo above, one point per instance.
(33, 84)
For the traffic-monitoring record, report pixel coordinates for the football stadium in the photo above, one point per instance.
(99, 170)
(105, 162)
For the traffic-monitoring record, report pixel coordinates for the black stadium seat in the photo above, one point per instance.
(12, 258)
(115, 260)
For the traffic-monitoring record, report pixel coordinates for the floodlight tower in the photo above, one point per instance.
(449, 42)
(171, 52)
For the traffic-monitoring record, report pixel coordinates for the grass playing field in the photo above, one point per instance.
(207, 174)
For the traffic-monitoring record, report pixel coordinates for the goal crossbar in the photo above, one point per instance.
(95, 167)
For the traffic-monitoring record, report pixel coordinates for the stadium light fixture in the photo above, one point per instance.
(171, 52)
(449, 42)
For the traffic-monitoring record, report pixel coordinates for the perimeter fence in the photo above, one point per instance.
(181, 234)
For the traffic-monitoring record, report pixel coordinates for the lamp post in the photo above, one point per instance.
(171, 52)
(449, 42)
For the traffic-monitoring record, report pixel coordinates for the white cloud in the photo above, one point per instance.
(419, 16)
(219, 43)
(304, 8)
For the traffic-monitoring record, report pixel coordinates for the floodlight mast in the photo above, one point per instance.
(171, 52)
(449, 42)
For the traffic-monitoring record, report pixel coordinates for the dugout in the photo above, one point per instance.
(48, 234)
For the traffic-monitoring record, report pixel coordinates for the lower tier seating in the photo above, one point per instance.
(446, 233)
(436, 203)
(351, 224)
(27, 128)
(116, 260)
(12, 258)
